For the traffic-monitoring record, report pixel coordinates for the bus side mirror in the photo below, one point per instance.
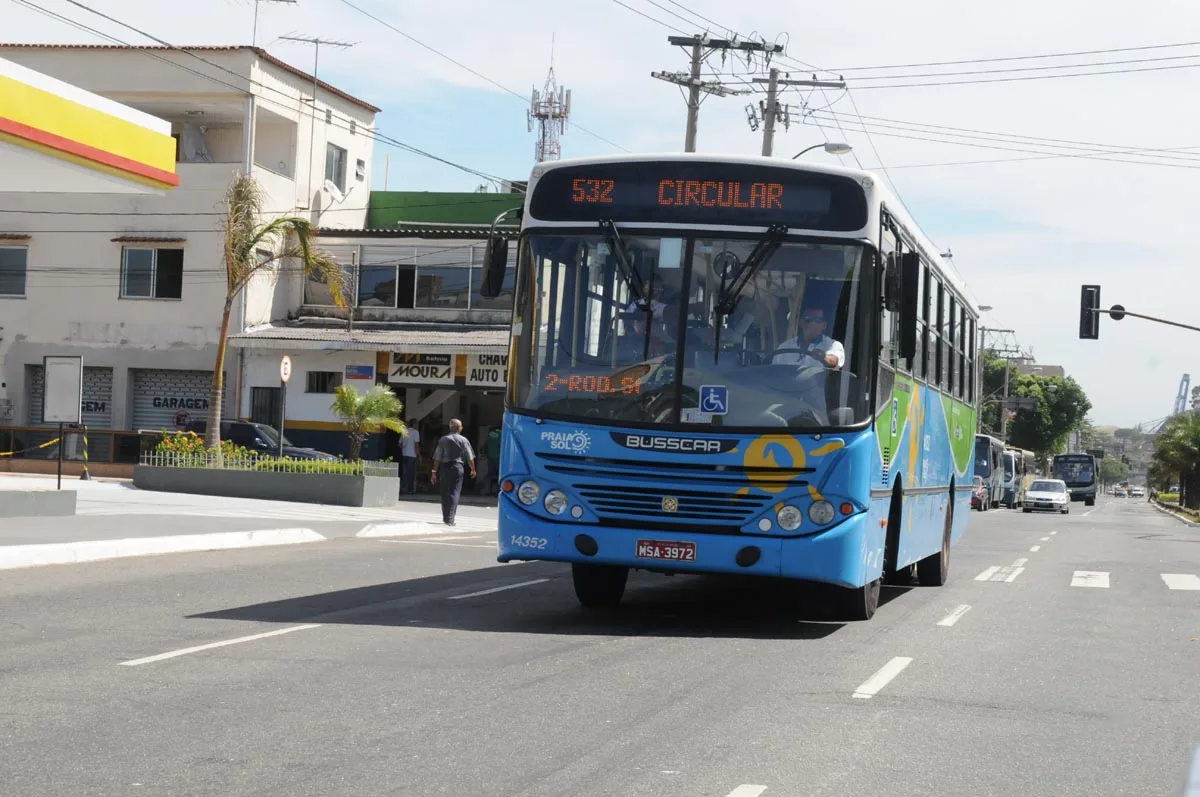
(910, 282)
(495, 263)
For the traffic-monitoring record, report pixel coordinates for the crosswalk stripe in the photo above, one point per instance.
(1090, 578)
(1186, 581)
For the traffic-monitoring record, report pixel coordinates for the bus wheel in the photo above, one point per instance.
(860, 603)
(599, 586)
(1089, 502)
(933, 570)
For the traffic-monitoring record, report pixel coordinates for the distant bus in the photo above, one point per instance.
(989, 466)
(664, 412)
(1079, 472)
(1020, 469)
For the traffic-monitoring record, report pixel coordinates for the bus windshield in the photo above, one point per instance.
(1074, 471)
(778, 337)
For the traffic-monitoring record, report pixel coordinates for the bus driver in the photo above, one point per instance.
(811, 342)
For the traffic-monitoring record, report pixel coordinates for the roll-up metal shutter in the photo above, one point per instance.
(159, 393)
(97, 407)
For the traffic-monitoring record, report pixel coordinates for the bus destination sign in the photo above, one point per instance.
(695, 192)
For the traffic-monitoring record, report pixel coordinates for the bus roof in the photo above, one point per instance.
(879, 187)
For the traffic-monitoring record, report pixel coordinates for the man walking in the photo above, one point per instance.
(452, 454)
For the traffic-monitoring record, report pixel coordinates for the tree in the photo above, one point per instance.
(1113, 471)
(1062, 407)
(361, 412)
(1177, 451)
(246, 235)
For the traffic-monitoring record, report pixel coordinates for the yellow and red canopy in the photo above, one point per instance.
(42, 116)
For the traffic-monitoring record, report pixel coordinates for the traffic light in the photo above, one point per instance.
(1089, 313)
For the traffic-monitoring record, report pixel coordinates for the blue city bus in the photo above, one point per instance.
(1079, 472)
(732, 365)
(989, 466)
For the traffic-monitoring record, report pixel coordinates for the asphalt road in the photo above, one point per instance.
(1057, 661)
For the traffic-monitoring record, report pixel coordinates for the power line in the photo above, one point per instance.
(474, 72)
(1043, 68)
(1025, 78)
(1016, 57)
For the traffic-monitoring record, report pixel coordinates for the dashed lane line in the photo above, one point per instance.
(955, 615)
(498, 589)
(1035, 549)
(746, 790)
(1090, 578)
(1185, 581)
(211, 645)
(879, 680)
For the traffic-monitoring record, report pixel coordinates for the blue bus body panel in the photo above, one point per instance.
(630, 485)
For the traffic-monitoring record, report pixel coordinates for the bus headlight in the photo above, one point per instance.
(556, 502)
(789, 518)
(528, 493)
(821, 512)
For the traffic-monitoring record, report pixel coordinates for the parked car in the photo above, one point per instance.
(1047, 495)
(980, 499)
(259, 437)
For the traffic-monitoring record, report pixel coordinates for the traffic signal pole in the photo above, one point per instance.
(1090, 310)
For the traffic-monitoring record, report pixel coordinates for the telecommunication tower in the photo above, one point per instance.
(550, 108)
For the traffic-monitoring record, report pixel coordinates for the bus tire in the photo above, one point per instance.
(891, 544)
(860, 603)
(934, 570)
(1089, 502)
(599, 586)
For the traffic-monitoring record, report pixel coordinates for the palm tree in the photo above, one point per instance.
(246, 235)
(1177, 450)
(361, 412)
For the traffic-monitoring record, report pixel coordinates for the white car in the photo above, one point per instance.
(1047, 495)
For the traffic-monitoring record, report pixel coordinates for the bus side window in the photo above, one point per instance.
(926, 343)
(951, 339)
(889, 261)
(940, 337)
(971, 364)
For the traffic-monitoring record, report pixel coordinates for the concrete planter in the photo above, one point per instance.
(309, 488)
(37, 503)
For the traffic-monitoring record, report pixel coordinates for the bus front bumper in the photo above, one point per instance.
(842, 555)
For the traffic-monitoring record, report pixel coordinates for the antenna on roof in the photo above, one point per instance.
(254, 32)
(316, 42)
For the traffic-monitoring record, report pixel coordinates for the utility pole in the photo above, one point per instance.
(771, 110)
(702, 47)
(254, 32)
(316, 42)
(1007, 352)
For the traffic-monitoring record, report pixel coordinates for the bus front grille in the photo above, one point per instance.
(629, 504)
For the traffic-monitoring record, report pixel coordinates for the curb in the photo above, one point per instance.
(1185, 521)
(18, 556)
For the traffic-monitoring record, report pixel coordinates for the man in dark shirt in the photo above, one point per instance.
(452, 455)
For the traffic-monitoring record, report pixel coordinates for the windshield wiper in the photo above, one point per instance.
(728, 300)
(621, 254)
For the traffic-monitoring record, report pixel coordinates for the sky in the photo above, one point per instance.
(1026, 229)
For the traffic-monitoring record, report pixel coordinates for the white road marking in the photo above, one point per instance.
(1011, 577)
(1020, 563)
(1053, 533)
(1090, 578)
(747, 790)
(1035, 549)
(1181, 581)
(996, 573)
(986, 575)
(886, 673)
(499, 589)
(185, 651)
(955, 615)
(1044, 539)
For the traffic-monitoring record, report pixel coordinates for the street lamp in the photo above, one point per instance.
(831, 148)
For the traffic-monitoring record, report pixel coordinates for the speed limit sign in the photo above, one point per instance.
(285, 368)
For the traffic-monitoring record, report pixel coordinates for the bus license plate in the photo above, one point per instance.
(673, 551)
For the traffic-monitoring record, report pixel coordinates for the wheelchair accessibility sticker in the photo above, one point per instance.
(714, 399)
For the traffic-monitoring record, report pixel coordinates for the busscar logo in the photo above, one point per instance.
(684, 445)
